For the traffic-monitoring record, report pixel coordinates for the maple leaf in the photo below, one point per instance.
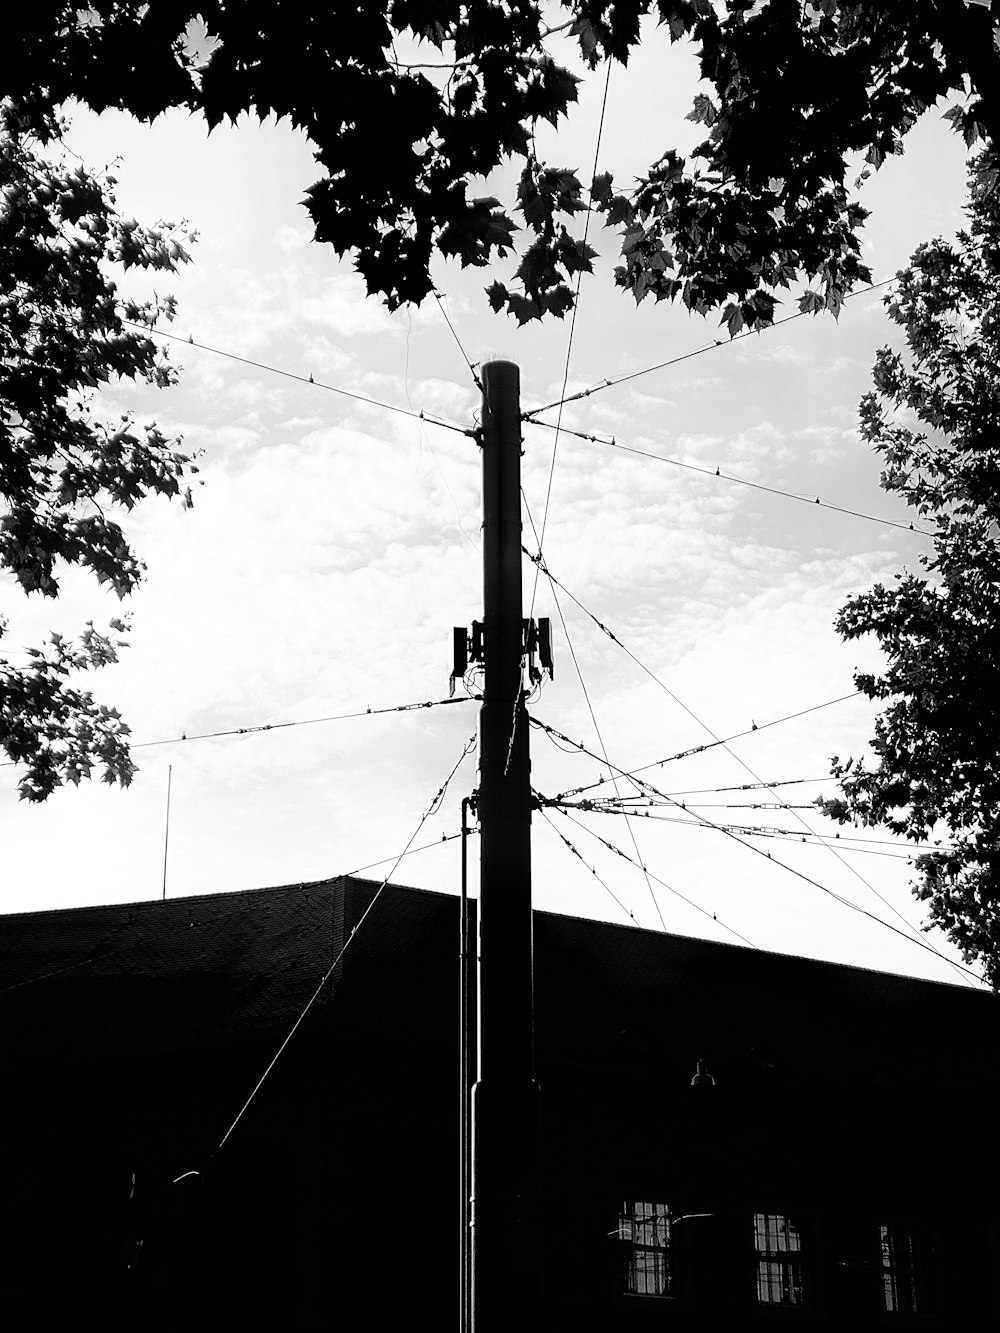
(70, 317)
(530, 200)
(600, 190)
(732, 317)
(704, 111)
(575, 256)
(560, 88)
(557, 301)
(523, 308)
(790, 93)
(584, 29)
(537, 269)
(473, 236)
(620, 211)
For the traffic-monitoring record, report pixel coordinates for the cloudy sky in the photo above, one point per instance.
(334, 544)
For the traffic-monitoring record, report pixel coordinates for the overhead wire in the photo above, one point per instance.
(566, 842)
(465, 356)
(590, 707)
(539, 562)
(676, 892)
(540, 566)
(855, 907)
(98, 953)
(742, 762)
(746, 786)
(569, 350)
(711, 745)
(424, 417)
(572, 326)
(431, 809)
(748, 830)
(711, 346)
(833, 850)
(300, 722)
(424, 438)
(747, 805)
(56, 972)
(431, 418)
(398, 856)
(911, 848)
(613, 443)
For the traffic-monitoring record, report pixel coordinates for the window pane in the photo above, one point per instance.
(779, 1263)
(644, 1234)
(907, 1255)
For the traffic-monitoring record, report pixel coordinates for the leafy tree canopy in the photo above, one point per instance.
(794, 89)
(933, 417)
(64, 471)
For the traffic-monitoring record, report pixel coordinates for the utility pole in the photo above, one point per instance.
(505, 1205)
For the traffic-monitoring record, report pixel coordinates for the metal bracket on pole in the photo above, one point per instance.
(536, 650)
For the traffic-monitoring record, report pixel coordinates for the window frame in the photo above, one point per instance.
(628, 1247)
(923, 1285)
(794, 1264)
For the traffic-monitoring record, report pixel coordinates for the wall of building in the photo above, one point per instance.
(842, 1100)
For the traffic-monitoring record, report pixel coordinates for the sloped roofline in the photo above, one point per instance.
(150, 904)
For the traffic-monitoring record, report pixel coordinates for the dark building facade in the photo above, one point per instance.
(833, 1167)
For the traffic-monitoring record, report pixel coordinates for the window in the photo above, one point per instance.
(780, 1263)
(907, 1255)
(644, 1234)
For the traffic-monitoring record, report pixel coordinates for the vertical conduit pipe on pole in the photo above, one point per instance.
(466, 1064)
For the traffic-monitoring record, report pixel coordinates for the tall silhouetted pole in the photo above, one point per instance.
(505, 1212)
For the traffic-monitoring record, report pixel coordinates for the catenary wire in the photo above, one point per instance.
(454, 333)
(600, 738)
(747, 805)
(910, 848)
(914, 938)
(746, 786)
(590, 706)
(426, 439)
(846, 902)
(572, 329)
(747, 830)
(301, 722)
(307, 721)
(432, 420)
(613, 443)
(540, 563)
(711, 346)
(398, 856)
(431, 809)
(710, 745)
(56, 972)
(566, 842)
(676, 892)
(742, 762)
(574, 747)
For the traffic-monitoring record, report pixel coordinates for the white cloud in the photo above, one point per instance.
(332, 548)
(289, 239)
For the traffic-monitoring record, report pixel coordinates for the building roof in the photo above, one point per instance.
(215, 967)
